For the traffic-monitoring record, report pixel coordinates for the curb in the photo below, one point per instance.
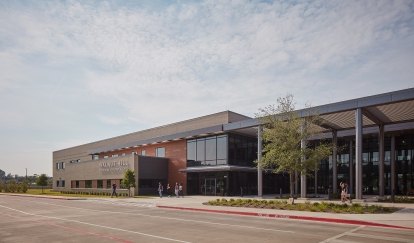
(282, 216)
(39, 196)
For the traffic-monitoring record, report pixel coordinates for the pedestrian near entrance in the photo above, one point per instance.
(180, 190)
(176, 189)
(344, 192)
(114, 190)
(160, 189)
(169, 190)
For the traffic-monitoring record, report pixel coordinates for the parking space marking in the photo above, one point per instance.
(94, 225)
(178, 219)
(379, 237)
(336, 237)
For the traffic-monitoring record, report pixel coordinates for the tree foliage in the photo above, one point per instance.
(129, 180)
(42, 181)
(283, 131)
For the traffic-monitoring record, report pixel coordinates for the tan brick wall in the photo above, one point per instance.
(94, 184)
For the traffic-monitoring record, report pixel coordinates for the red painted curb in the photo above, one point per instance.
(271, 215)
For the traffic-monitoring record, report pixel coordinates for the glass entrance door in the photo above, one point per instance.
(210, 186)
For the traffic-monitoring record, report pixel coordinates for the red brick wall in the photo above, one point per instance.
(175, 151)
(117, 182)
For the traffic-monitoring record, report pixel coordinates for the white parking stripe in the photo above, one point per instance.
(95, 225)
(380, 237)
(334, 238)
(176, 219)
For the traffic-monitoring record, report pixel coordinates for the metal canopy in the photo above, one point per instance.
(383, 109)
(386, 109)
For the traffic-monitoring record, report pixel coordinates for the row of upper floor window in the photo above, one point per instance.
(61, 165)
(159, 152)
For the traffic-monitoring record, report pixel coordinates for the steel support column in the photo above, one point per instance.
(259, 166)
(334, 162)
(351, 168)
(303, 174)
(381, 161)
(392, 166)
(358, 153)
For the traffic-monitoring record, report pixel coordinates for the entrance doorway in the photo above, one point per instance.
(210, 186)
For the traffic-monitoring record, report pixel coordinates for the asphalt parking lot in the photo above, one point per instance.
(100, 220)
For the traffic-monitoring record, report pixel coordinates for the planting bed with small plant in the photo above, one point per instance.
(354, 208)
(399, 199)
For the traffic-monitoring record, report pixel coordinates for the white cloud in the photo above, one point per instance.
(151, 65)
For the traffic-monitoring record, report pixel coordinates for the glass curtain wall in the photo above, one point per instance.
(208, 151)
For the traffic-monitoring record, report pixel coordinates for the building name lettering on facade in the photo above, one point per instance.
(113, 167)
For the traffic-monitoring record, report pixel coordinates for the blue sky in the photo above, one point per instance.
(73, 72)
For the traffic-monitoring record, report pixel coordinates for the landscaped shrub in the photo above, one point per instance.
(315, 207)
(24, 187)
(18, 187)
(12, 186)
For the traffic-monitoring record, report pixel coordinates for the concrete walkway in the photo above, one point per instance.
(402, 218)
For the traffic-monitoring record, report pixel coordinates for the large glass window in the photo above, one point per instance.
(201, 151)
(207, 151)
(88, 184)
(100, 183)
(160, 152)
(211, 151)
(222, 150)
(242, 150)
(191, 152)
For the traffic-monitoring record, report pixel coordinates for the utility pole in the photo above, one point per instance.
(26, 175)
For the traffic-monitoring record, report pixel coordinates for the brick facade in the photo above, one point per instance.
(175, 151)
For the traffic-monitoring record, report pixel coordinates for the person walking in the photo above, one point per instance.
(114, 190)
(344, 192)
(180, 190)
(176, 189)
(342, 185)
(169, 190)
(160, 189)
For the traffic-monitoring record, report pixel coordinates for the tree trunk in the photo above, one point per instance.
(292, 183)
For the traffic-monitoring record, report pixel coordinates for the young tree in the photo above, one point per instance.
(129, 180)
(42, 181)
(283, 132)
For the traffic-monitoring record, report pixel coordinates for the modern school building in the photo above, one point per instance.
(215, 154)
